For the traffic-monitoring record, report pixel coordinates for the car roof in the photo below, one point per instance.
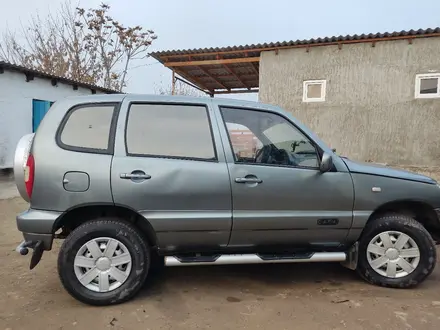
(172, 98)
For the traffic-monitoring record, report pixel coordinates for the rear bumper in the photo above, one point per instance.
(37, 246)
(37, 221)
(37, 228)
(37, 225)
(46, 240)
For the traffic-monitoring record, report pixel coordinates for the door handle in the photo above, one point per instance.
(135, 176)
(248, 180)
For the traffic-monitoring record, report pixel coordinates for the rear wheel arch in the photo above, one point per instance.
(75, 217)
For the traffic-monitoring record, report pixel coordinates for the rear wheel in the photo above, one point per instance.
(104, 262)
(396, 251)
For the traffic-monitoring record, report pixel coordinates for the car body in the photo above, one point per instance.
(182, 173)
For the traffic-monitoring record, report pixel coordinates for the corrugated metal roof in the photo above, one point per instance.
(366, 37)
(215, 71)
(40, 74)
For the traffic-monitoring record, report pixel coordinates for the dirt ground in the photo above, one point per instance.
(295, 296)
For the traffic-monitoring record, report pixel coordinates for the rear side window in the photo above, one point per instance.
(88, 128)
(170, 131)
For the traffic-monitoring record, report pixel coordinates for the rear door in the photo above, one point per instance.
(169, 166)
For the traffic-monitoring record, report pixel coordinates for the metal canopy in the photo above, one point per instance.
(215, 73)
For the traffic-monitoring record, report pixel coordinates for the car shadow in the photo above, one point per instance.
(176, 291)
(170, 288)
(269, 276)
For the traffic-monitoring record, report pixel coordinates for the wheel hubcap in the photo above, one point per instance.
(393, 254)
(102, 264)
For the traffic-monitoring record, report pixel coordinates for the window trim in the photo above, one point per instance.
(418, 80)
(321, 82)
(312, 142)
(112, 132)
(204, 105)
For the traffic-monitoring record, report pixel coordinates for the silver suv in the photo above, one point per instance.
(135, 182)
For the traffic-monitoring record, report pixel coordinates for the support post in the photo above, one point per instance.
(173, 84)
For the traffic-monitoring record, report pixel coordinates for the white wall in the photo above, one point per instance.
(16, 107)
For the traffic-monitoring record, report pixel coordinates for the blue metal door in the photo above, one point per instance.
(39, 109)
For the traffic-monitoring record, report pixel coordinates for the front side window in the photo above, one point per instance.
(275, 141)
(427, 86)
(169, 131)
(244, 143)
(88, 127)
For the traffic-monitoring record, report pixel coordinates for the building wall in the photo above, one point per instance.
(370, 112)
(16, 108)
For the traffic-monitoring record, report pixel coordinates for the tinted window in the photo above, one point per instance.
(181, 131)
(271, 139)
(429, 86)
(88, 127)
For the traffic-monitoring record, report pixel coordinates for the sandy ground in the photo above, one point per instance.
(7, 186)
(295, 296)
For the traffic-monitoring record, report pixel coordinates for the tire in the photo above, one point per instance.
(396, 277)
(105, 232)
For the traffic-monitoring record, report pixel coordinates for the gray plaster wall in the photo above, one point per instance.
(370, 111)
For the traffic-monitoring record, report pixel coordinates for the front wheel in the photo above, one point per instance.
(104, 262)
(396, 251)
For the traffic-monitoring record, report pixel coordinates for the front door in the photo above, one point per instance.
(169, 168)
(279, 195)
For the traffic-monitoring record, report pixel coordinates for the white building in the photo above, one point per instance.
(25, 97)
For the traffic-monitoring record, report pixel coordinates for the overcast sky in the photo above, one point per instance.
(182, 24)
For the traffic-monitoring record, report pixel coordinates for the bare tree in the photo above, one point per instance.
(180, 88)
(37, 48)
(86, 45)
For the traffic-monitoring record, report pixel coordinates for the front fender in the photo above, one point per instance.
(374, 193)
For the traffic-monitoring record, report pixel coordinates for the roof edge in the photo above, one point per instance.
(411, 34)
(22, 69)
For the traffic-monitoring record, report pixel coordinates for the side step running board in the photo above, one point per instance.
(234, 259)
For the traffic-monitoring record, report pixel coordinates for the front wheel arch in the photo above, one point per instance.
(420, 211)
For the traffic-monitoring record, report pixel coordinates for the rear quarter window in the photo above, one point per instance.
(88, 128)
(170, 131)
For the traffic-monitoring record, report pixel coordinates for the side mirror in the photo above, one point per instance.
(326, 163)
